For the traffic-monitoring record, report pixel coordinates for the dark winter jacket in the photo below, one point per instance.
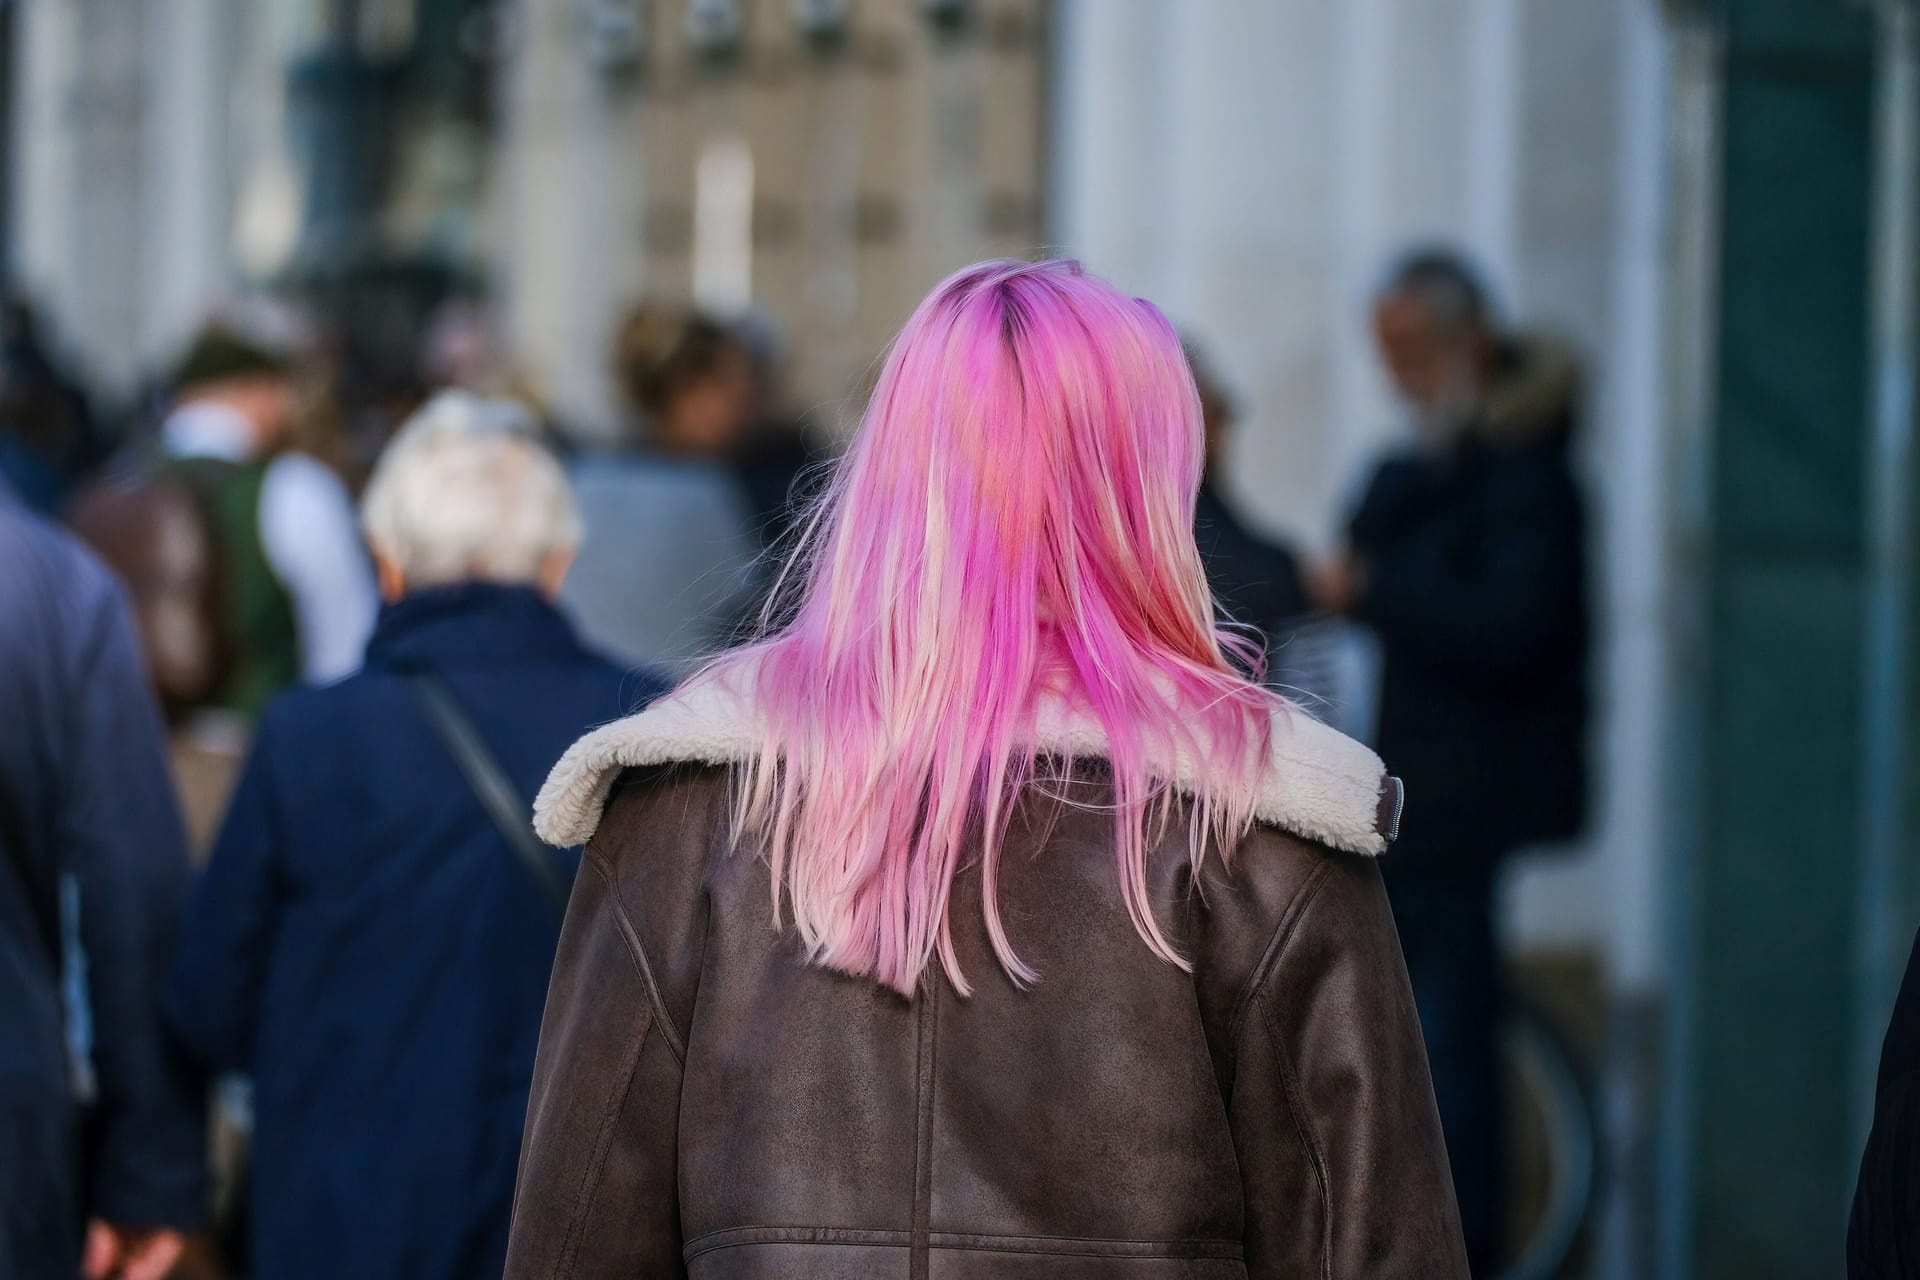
(365, 947)
(85, 798)
(1257, 581)
(709, 1105)
(1473, 571)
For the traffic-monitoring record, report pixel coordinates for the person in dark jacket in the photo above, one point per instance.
(1256, 580)
(93, 871)
(365, 944)
(1883, 1237)
(1468, 561)
(48, 432)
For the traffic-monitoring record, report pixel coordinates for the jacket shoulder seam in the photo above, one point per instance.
(1283, 932)
(638, 953)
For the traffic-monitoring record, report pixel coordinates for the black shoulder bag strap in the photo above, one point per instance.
(490, 784)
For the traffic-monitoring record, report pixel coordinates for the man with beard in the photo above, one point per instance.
(1467, 559)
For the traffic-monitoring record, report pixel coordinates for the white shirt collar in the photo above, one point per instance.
(208, 430)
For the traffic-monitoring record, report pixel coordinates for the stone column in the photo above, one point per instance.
(189, 204)
(83, 89)
(565, 201)
(1762, 1144)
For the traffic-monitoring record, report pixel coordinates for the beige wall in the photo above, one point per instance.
(876, 170)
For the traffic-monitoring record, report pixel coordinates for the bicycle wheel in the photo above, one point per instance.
(1555, 1088)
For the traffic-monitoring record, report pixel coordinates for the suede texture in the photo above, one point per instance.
(708, 1105)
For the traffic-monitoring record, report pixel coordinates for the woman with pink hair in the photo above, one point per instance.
(983, 919)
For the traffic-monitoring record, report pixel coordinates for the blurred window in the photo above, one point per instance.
(723, 227)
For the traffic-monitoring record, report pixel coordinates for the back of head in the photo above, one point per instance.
(221, 354)
(1012, 525)
(465, 490)
(662, 351)
(1445, 284)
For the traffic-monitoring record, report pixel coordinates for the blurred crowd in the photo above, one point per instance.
(324, 646)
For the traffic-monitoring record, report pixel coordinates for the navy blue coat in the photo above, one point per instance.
(85, 797)
(365, 947)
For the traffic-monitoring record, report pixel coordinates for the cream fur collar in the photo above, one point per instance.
(1323, 785)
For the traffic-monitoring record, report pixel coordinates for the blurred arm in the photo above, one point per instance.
(1332, 1109)
(597, 1195)
(123, 841)
(308, 532)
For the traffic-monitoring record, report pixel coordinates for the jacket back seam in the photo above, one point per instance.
(1115, 1248)
(919, 1258)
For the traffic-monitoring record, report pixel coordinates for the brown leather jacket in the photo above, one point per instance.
(707, 1105)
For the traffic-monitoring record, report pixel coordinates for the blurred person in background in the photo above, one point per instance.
(669, 566)
(1883, 1235)
(463, 351)
(779, 453)
(242, 552)
(1467, 557)
(299, 591)
(101, 1134)
(1256, 579)
(371, 940)
(47, 428)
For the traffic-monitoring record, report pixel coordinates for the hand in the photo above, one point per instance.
(114, 1253)
(1336, 585)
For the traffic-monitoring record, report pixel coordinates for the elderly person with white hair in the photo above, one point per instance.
(371, 940)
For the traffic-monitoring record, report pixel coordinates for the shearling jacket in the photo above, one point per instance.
(706, 1104)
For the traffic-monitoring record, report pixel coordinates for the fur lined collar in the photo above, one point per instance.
(1323, 786)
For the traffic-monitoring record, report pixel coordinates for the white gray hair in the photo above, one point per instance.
(466, 490)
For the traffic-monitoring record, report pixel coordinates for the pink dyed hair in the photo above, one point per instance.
(1013, 522)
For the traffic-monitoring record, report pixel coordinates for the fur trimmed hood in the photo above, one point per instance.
(1535, 391)
(1322, 786)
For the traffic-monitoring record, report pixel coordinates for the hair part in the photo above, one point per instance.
(466, 490)
(1012, 524)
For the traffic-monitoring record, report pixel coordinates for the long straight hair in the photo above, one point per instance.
(1012, 523)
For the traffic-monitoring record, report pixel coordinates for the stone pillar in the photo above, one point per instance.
(189, 205)
(123, 173)
(565, 207)
(1763, 1147)
(83, 96)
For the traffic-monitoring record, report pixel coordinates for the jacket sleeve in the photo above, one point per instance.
(597, 1194)
(125, 846)
(214, 994)
(1486, 613)
(1333, 1114)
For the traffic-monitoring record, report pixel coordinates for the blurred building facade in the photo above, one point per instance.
(1713, 199)
(820, 164)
